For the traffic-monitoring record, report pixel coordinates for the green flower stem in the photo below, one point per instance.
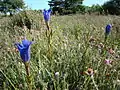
(47, 24)
(48, 31)
(94, 82)
(106, 37)
(49, 37)
(49, 51)
(29, 81)
(48, 28)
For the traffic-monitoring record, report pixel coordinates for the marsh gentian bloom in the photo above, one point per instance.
(46, 14)
(108, 29)
(24, 49)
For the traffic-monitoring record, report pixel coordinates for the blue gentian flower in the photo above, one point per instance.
(46, 14)
(24, 49)
(108, 29)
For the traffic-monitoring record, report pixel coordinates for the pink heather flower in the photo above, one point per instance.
(111, 51)
(107, 61)
(89, 71)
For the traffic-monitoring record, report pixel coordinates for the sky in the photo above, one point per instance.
(43, 4)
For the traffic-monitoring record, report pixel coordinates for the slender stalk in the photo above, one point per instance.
(47, 24)
(49, 37)
(29, 81)
(106, 37)
(94, 82)
(48, 28)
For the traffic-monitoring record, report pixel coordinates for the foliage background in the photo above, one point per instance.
(77, 44)
(73, 53)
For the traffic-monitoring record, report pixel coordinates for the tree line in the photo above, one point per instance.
(11, 6)
(76, 6)
(63, 7)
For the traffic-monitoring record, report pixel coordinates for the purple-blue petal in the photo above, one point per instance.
(46, 14)
(44, 11)
(24, 49)
(49, 10)
(25, 54)
(26, 43)
(108, 29)
(19, 46)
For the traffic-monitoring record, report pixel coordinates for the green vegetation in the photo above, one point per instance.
(75, 6)
(112, 7)
(11, 6)
(65, 6)
(78, 53)
(71, 53)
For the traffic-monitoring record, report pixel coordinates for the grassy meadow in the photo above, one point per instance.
(78, 53)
